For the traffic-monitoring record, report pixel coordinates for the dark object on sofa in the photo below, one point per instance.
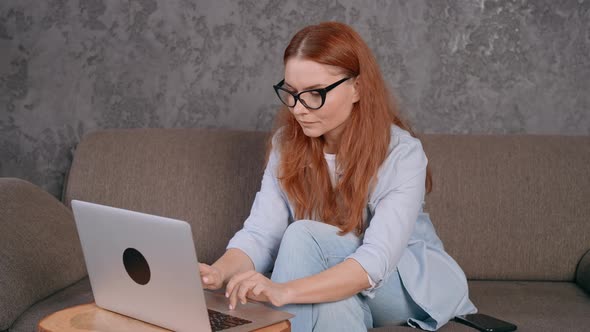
(514, 211)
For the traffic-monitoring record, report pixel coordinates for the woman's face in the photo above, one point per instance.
(329, 120)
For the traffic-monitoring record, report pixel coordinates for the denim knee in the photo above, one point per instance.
(300, 233)
(299, 254)
(299, 228)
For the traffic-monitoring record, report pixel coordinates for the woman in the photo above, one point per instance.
(339, 214)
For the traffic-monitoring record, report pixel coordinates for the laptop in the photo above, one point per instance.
(145, 266)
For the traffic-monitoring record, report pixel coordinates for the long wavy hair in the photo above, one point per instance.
(303, 172)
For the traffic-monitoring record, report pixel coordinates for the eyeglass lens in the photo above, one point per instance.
(311, 99)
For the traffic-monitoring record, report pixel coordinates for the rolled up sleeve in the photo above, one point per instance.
(397, 200)
(263, 229)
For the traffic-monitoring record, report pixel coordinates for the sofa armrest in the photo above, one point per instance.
(40, 250)
(583, 272)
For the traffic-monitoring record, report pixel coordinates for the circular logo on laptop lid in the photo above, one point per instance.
(136, 266)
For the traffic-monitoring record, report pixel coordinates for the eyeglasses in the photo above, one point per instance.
(312, 99)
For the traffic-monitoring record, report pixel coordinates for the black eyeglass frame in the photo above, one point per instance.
(322, 91)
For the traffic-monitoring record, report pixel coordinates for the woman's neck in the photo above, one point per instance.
(332, 140)
(330, 149)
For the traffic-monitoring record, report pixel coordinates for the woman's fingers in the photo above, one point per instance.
(257, 287)
(235, 293)
(235, 280)
(210, 277)
(233, 297)
(239, 287)
(205, 271)
(243, 290)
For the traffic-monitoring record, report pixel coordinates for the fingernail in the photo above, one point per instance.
(226, 294)
(205, 279)
(231, 307)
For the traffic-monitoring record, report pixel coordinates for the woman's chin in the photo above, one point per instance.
(311, 133)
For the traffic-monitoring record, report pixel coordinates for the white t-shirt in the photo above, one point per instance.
(331, 160)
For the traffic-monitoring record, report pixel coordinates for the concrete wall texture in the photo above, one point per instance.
(68, 67)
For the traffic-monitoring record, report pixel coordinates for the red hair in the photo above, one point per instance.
(303, 172)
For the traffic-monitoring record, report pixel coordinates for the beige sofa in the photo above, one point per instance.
(514, 211)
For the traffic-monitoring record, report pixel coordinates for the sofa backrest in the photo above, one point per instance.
(506, 207)
(206, 177)
(511, 206)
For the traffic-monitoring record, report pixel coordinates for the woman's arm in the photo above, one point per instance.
(336, 283)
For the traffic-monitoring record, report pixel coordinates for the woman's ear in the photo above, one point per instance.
(356, 96)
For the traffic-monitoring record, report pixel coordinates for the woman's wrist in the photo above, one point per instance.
(290, 293)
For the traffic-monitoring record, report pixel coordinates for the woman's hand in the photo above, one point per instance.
(211, 277)
(255, 286)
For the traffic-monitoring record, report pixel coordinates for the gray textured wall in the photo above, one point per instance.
(458, 66)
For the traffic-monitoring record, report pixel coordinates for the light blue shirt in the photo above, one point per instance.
(399, 234)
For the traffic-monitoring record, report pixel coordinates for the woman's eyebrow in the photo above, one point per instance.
(315, 86)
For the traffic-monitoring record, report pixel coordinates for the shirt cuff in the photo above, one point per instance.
(374, 271)
(369, 292)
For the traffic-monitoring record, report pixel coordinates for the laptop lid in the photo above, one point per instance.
(145, 266)
(142, 266)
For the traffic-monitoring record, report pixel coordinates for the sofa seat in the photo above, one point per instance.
(78, 293)
(534, 305)
(531, 305)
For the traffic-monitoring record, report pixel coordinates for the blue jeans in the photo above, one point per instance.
(310, 247)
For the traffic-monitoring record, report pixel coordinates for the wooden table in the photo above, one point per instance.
(89, 317)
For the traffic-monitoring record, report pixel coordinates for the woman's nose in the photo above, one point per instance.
(299, 108)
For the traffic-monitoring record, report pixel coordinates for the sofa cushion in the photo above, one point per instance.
(206, 177)
(534, 305)
(511, 207)
(78, 293)
(39, 248)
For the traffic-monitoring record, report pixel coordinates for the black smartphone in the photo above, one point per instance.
(485, 323)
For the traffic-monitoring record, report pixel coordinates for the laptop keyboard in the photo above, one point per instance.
(220, 321)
